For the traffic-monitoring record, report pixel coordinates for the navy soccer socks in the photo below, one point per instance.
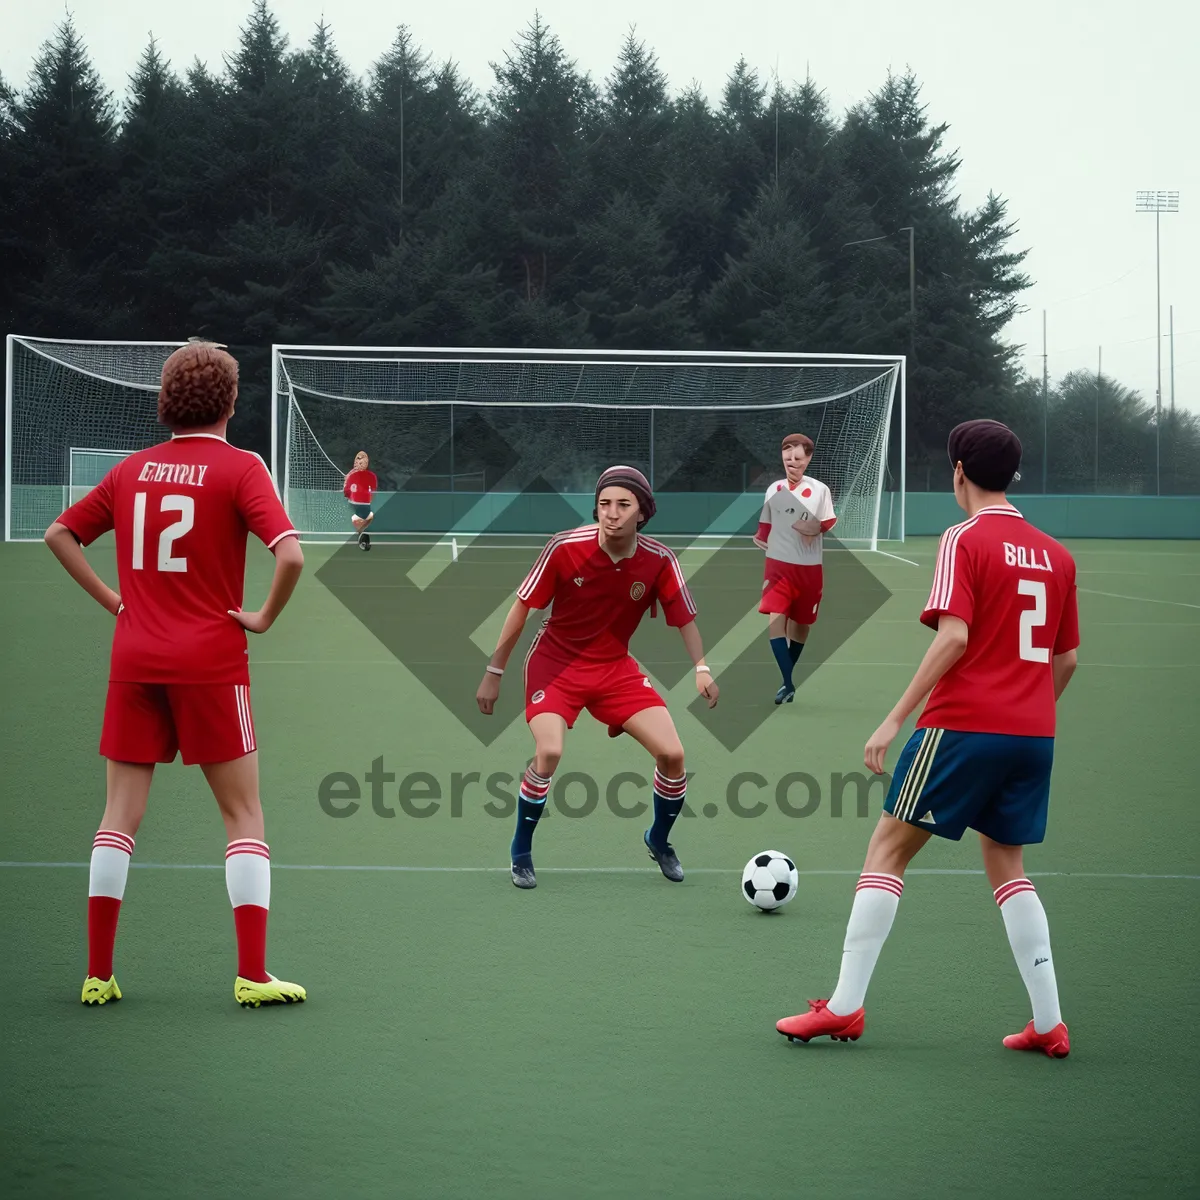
(669, 795)
(531, 803)
(795, 649)
(779, 647)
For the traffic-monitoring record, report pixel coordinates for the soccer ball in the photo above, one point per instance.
(769, 880)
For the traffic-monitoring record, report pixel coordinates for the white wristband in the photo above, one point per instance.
(703, 670)
(494, 670)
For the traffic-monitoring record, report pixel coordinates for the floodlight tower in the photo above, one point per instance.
(1158, 203)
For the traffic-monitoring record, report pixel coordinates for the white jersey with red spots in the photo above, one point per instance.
(784, 505)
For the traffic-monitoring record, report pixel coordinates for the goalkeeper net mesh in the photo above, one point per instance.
(497, 442)
(73, 409)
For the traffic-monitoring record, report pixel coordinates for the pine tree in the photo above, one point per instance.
(327, 156)
(63, 171)
(634, 301)
(690, 203)
(539, 109)
(634, 126)
(770, 295)
(423, 130)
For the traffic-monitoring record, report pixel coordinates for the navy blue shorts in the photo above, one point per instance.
(361, 510)
(947, 782)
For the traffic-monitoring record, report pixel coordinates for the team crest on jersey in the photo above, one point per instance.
(637, 591)
(806, 493)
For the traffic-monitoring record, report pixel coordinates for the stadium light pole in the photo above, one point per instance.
(912, 322)
(1158, 203)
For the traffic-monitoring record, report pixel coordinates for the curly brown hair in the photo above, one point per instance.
(199, 386)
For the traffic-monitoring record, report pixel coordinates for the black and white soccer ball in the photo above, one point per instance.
(770, 880)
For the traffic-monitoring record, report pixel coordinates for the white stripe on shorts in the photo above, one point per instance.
(242, 695)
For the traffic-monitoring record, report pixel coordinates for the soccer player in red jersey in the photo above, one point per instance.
(179, 677)
(797, 513)
(601, 579)
(360, 487)
(1004, 606)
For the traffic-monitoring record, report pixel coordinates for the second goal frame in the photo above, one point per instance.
(285, 355)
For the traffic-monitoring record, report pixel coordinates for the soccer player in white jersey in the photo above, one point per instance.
(1003, 605)
(797, 512)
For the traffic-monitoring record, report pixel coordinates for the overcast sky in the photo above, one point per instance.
(1066, 108)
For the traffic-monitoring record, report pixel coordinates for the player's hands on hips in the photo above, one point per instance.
(488, 693)
(707, 687)
(878, 743)
(254, 622)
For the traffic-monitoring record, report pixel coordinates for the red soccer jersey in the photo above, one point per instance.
(181, 512)
(360, 487)
(1014, 586)
(598, 603)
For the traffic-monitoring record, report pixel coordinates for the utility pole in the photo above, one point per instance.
(1045, 404)
(1158, 203)
(1172, 328)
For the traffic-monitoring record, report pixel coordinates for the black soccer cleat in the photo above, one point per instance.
(785, 695)
(668, 862)
(364, 541)
(522, 874)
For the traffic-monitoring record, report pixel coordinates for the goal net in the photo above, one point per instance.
(72, 410)
(475, 442)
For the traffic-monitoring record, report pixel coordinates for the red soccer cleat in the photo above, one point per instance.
(820, 1022)
(1055, 1042)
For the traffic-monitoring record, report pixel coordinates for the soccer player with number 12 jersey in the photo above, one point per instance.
(179, 677)
(1004, 606)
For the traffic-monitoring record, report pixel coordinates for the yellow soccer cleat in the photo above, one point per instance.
(100, 991)
(250, 994)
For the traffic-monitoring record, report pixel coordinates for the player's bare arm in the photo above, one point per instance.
(948, 646)
(705, 684)
(1063, 666)
(70, 553)
(489, 687)
(289, 563)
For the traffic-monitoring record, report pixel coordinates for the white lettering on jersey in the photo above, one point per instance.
(176, 473)
(1026, 558)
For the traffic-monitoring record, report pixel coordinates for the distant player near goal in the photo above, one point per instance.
(601, 580)
(797, 512)
(179, 678)
(1004, 607)
(360, 488)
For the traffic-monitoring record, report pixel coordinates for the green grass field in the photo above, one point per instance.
(608, 1034)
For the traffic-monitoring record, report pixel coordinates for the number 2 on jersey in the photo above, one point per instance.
(186, 507)
(1032, 618)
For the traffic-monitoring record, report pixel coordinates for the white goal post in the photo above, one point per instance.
(72, 409)
(468, 442)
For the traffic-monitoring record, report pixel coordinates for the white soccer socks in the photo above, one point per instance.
(876, 899)
(1029, 936)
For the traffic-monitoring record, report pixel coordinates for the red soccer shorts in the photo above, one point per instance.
(793, 589)
(152, 722)
(612, 692)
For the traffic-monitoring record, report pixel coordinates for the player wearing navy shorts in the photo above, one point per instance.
(179, 680)
(797, 513)
(360, 488)
(1003, 603)
(601, 580)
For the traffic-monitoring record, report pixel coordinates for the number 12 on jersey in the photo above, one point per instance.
(1033, 618)
(186, 507)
